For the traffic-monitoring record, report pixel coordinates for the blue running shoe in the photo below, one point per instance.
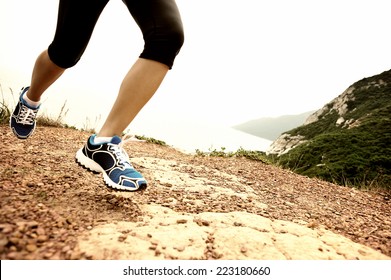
(111, 160)
(22, 121)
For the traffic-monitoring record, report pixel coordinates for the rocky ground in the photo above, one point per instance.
(194, 208)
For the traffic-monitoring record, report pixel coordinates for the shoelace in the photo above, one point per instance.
(120, 154)
(119, 151)
(27, 116)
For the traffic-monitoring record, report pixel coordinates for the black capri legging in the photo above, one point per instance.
(159, 21)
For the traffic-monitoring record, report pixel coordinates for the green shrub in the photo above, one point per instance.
(355, 153)
(253, 155)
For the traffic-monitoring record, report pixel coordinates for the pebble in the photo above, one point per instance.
(30, 185)
(6, 229)
(202, 222)
(14, 240)
(3, 241)
(180, 248)
(122, 238)
(31, 248)
(42, 238)
(48, 255)
(66, 249)
(13, 256)
(41, 231)
(76, 255)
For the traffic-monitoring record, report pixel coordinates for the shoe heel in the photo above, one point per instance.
(87, 163)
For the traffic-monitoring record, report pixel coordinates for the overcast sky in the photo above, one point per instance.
(242, 59)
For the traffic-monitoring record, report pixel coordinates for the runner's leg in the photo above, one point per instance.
(75, 23)
(160, 23)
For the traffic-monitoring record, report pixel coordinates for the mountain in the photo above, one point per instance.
(348, 141)
(271, 128)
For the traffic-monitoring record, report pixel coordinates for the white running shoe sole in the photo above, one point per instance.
(91, 165)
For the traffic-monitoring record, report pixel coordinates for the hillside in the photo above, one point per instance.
(271, 128)
(195, 207)
(346, 141)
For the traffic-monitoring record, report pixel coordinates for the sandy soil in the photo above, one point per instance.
(194, 208)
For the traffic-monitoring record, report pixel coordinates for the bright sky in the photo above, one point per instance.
(242, 59)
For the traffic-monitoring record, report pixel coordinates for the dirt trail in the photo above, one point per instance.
(194, 208)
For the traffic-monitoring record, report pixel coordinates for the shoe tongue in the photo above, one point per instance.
(115, 140)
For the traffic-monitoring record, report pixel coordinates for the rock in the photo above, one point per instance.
(14, 256)
(285, 143)
(201, 222)
(42, 238)
(41, 231)
(180, 248)
(122, 238)
(66, 249)
(31, 185)
(6, 228)
(31, 248)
